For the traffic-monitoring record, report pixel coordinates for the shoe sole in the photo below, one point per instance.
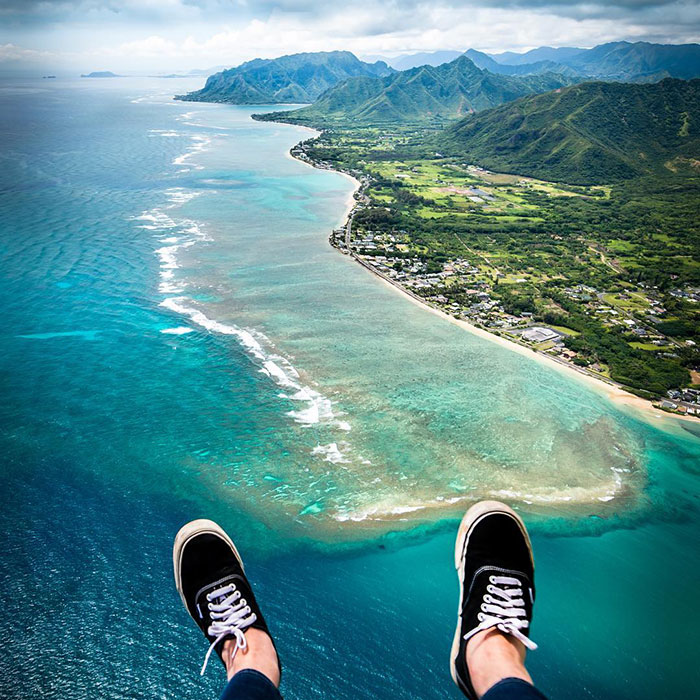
(186, 533)
(470, 519)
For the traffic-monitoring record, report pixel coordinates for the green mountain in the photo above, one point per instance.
(620, 60)
(432, 58)
(543, 53)
(623, 60)
(587, 134)
(300, 77)
(485, 62)
(426, 93)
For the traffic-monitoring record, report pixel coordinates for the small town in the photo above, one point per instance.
(465, 290)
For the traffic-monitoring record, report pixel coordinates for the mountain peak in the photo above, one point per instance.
(300, 78)
(424, 93)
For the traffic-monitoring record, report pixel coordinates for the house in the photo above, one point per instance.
(538, 334)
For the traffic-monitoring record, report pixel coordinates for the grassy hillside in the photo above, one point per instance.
(297, 78)
(419, 95)
(588, 133)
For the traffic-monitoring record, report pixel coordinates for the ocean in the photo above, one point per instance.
(181, 341)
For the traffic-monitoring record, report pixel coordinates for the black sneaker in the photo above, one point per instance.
(493, 557)
(210, 578)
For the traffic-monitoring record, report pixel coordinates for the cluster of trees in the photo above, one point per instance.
(635, 368)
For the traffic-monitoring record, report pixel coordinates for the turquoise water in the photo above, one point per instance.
(179, 341)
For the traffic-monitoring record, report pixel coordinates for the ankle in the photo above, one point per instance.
(259, 655)
(492, 656)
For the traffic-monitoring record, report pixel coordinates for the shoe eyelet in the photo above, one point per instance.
(210, 606)
(480, 617)
(492, 579)
(483, 607)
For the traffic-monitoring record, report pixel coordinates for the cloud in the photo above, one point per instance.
(12, 53)
(395, 12)
(170, 34)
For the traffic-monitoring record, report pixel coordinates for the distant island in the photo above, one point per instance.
(101, 74)
(194, 73)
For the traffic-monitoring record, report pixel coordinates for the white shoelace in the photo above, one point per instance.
(230, 615)
(504, 609)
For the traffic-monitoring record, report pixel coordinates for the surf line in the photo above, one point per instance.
(318, 408)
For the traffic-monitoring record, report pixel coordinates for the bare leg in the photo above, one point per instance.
(259, 655)
(492, 656)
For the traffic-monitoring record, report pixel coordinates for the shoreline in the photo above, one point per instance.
(616, 393)
(351, 201)
(644, 409)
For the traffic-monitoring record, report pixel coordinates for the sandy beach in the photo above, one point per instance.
(642, 408)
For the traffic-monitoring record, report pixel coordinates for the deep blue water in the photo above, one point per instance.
(114, 433)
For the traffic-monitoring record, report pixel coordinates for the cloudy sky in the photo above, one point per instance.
(134, 36)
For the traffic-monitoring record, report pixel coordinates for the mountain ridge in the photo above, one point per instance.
(589, 133)
(421, 94)
(617, 60)
(294, 78)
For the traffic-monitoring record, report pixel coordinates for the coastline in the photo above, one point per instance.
(351, 201)
(613, 391)
(644, 409)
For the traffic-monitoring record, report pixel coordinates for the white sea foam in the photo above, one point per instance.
(199, 144)
(178, 234)
(383, 510)
(163, 132)
(331, 453)
(159, 220)
(180, 195)
(576, 494)
(196, 316)
(273, 370)
(180, 330)
(317, 408)
(168, 255)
